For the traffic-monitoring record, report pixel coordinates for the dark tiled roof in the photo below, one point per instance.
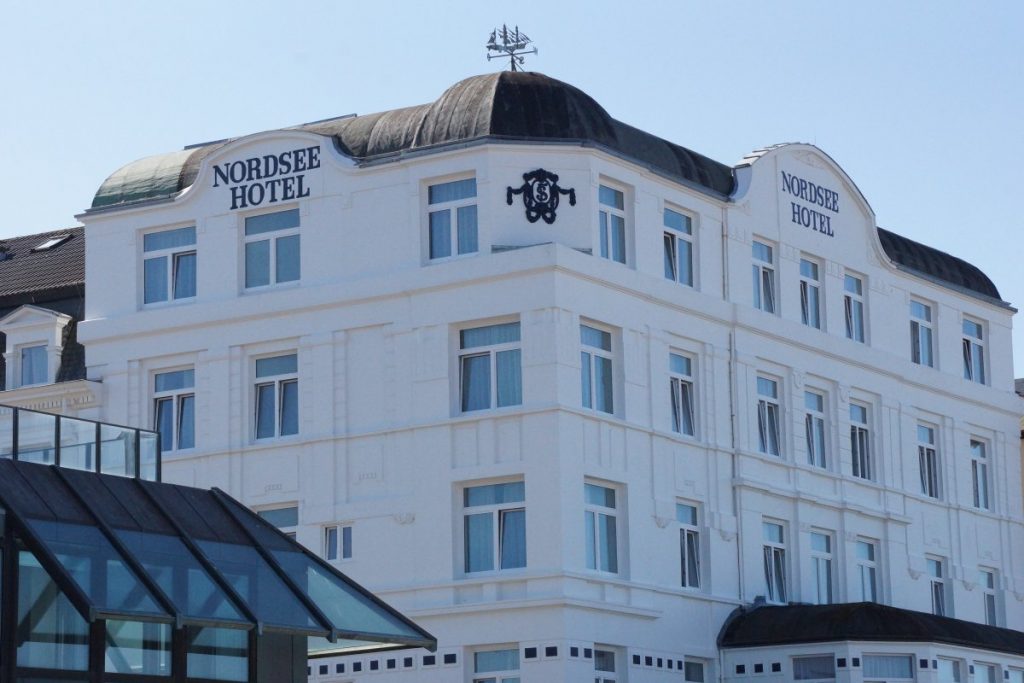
(921, 259)
(1018, 386)
(763, 626)
(31, 277)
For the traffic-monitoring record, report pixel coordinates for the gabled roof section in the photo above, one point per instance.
(766, 626)
(28, 276)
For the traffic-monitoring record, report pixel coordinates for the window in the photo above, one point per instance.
(921, 334)
(678, 241)
(174, 409)
(33, 365)
(984, 673)
(338, 542)
(601, 533)
(596, 369)
(285, 518)
(821, 562)
(169, 265)
(987, 580)
(277, 396)
(693, 671)
(974, 352)
(860, 442)
(775, 561)
(272, 248)
(928, 460)
(814, 668)
(853, 305)
(768, 416)
(888, 667)
(949, 671)
(867, 570)
(494, 527)
(1016, 676)
(764, 277)
(937, 585)
(51, 242)
(689, 545)
(680, 382)
(612, 223)
(814, 427)
(490, 367)
(497, 666)
(979, 474)
(455, 199)
(810, 294)
(604, 666)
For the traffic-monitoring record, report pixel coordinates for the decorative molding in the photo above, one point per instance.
(662, 522)
(726, 535)
(844, 393)
(797, 378)
(969, 585)
(914, 574)
(541, 195)
(404, 517)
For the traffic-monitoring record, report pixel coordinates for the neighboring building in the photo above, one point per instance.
(574, 441)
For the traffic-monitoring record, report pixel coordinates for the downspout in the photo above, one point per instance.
(733, 391)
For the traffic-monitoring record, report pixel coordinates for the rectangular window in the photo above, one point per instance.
(174, 409)
(821, 562)
(774, 562)
(600, 528)
(272, 248)
(928, 461)
(496, 666)
(853, 305)
(494, 527)
(979, 474)
(867, 570)
(678, 240)
(338, 542)
(680, 383)
(689, 545)
(490, 367)
(33, 365)
(860, 442)
(286, 519)
(937, 585)
(768, 432)
(816, 668)
(169, 265)
(974, 351)
(596, 369)
(810, 294)
(888, 667)
(814, 428)
(985, 673)
(452, 218)
(987, 581)
(1016, 676)
(764, 277)
(612, 223)
(693, 671)
(277, 396)
(921, 334)
(604, 666)
(949, 671)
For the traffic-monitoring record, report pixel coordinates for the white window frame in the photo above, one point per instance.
(678, 243)
(979, 672)
(506, 675)
(769, 417)
(33, 347)
(683, 399)
(491, 352)
(455, 217)
(929, 462)
(988, 580)
(974, 350)
(588, 367)
(956, 670)
(688, 517)
(695, 670)
(922, 333)
(909, 658)
(863, 465)
(497, 513)
(868, 569)
(855, 307)
(272, 237)
(278, 384)
(337, 539)
(606, 217)
(815, 427)
(765, 279)
(603, 545)
(176, 398)
(617, 660)
(172, 257)
(829, 656)
(938, 586)
(981, 485)
(810, 293)
(776, 572)
(822, 563)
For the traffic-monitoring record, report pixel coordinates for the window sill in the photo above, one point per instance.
(153, 305)
(448, 259)
(271, 287)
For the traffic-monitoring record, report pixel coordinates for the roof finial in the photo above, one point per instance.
(511, 44)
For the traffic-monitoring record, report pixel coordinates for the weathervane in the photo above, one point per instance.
(512, 45)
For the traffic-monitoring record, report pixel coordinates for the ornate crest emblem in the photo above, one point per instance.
(541, 195)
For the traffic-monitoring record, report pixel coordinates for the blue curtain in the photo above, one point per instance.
(184, 276)
(288, 267)
(510, 378)
(289, 407)
(479, 541)
(440, 234)
(476, 382)
(186, 422)
(257, 263)
(512, 525)
(155, 275)
(467, 229)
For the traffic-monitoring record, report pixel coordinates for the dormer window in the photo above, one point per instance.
(33, 365)
(35, 338)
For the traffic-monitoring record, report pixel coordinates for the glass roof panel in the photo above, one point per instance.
(176, 570)
(98, 569)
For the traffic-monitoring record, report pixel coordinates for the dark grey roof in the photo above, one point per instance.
(762, 626)
(921, 259)
(28, 276)
(1018, 386)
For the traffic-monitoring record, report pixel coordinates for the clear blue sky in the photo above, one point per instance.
(921, 103)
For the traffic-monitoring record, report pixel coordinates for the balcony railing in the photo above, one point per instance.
(34, 436)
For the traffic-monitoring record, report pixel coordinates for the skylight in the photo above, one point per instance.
(52, 242)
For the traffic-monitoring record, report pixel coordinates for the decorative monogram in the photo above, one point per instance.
(541, 195)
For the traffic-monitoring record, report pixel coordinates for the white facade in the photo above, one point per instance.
(384, 447)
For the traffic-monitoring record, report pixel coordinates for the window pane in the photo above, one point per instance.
(608, 543)
(281, 517)
(467, 232)
(687, 514)
(476, 382)
(679, 364)
(489, 335)
(585, 379)
(479, 539)
(888, 666)
(186, 422)
(677, 221)
(33, 365)
(510, 389)
(596, 338)
(331, 543)
(685, 262)
(36, 437)
(669, 244)
(277, 365)
(618, 238)
(52, 634)
(168, 239)
(155, 275)
(265, 411)
(453, 191)
(599, 495)
(610, 197)
(767, 387)
(590, 538)
(603, 382)
(218, 653)
(288, 261)
(165, 422)
(603, 229)
(184, 275)
(77, 444)
(496, 660)
(852, 284)
(762, 252)
(773, 532)
(440, 234)
(512, 531)
(138, 648)
(494, 494)
(118, 449)
(282, 220)
(811, 668)
(289, 407)
(257, 263)
(171, 381)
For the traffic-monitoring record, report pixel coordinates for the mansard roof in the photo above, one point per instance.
(938, 266)
(766, 626)
(28, 275)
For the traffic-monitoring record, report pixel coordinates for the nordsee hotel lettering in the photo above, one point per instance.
(269, 178)
(815, 194)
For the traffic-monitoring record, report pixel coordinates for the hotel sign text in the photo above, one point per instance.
(269, 178)
(816, 195)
